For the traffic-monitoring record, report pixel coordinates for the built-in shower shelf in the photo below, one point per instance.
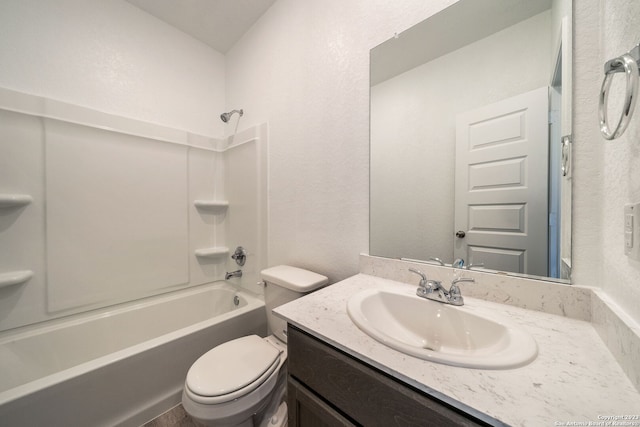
(14, 278)
(14, 200)
(211, 204)
(214, 252)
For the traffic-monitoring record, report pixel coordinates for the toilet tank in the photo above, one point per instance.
(284, 283)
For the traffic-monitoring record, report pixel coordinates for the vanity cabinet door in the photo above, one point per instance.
(308, 410)
(321, 376)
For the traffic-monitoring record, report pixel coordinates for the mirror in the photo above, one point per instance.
(470, 124)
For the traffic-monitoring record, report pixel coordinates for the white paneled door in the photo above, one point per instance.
(501, 202)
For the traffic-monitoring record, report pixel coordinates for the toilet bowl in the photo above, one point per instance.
(242, 382)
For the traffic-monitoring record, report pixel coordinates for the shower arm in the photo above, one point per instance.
(226, 116)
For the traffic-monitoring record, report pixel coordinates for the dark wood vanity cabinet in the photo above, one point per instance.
(327, 387)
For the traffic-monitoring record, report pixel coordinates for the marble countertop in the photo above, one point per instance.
(574, 378)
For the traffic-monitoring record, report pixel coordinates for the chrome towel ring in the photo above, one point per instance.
(627, 64)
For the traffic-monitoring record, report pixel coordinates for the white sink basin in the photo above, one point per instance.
(439, 332)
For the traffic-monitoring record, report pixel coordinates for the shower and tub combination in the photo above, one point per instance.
(118, 366)
(126, 265)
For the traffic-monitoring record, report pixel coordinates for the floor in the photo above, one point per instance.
(176, 417)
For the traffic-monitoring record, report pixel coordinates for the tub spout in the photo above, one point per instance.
(237, 273)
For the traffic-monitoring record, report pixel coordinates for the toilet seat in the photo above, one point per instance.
(231, 370)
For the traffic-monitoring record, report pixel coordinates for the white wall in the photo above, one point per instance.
(604, 172)
(413, 133)
(608, 170)
(111, 56)
(303, 68)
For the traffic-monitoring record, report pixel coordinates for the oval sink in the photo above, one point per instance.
(439, 332)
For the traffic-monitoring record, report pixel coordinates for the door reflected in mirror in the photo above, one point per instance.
(467, 118)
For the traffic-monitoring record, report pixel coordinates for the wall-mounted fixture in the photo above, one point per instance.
(226, 116)
(407, 72)
(230, 274)
(566, 154)
(627, 64)
(240, 256)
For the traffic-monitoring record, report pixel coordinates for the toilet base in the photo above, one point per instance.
(268, 416)
(277, 419)
(266, 401)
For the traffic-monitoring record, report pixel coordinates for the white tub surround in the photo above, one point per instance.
(118, 366)
(100, 215)
(99, 209)
(566, 382)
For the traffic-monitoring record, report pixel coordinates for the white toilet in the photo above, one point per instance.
(243, 382)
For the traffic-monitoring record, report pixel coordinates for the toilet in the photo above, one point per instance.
(242, 382)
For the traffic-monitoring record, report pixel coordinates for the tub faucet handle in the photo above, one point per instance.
(240, 256)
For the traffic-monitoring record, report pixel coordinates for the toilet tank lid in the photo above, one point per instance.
(293, 278)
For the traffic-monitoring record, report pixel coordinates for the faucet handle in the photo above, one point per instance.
(461, 279)
(455, 296)
(426, 286)
(423, 277)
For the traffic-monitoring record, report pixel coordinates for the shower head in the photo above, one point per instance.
(226, 116)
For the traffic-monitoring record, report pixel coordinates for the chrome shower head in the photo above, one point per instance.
(226, 116)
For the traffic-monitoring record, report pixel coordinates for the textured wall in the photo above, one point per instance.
(587, 168)
(303, 68)
(112, 57)
(604, 173)
(620, 22)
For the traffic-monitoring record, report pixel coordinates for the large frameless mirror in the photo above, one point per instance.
(470, 139)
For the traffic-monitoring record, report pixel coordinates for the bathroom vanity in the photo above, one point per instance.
(328, 387)
(338, 375)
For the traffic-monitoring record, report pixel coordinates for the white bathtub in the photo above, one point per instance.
(121, 366)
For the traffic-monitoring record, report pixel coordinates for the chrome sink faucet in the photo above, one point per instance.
(433, 289)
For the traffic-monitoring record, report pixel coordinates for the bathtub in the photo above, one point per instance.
(118, 367)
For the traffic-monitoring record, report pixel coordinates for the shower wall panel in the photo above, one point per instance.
(22, 228)
(116, 218)
(206, 226)
(245, 177)
(111, 214)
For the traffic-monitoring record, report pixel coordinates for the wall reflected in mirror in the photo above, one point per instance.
(468, 109)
